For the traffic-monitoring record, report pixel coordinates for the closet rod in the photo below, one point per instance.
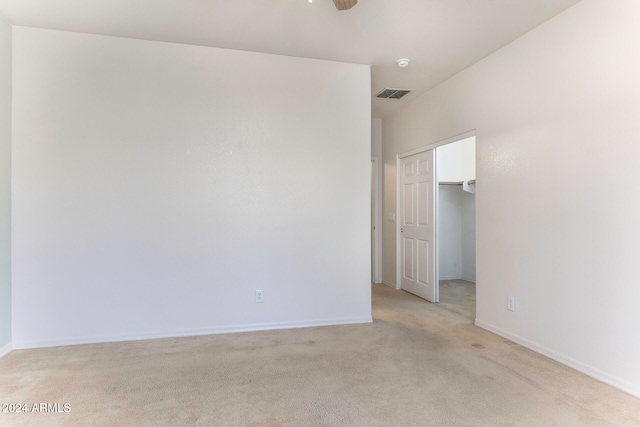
(472, 181)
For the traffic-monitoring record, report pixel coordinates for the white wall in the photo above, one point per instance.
(449, 232)
(449, 161)
(5, 183)
(468, 155)
(468, 236)
(556, 120)
(456, 234)
(457, 160)
(157, 186)
(456, 211)
(376, 137)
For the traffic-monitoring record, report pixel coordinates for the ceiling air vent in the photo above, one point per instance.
(393, 93)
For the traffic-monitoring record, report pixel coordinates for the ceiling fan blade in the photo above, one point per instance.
(345, 4)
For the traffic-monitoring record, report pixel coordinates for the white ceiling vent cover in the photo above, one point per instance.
(393, 93)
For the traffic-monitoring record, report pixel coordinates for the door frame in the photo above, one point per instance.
(399, 157)
(376, 250)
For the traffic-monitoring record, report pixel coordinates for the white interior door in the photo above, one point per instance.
(417, 228)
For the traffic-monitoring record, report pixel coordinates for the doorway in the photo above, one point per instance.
(456, 226)
(453, 202)
(376, 227)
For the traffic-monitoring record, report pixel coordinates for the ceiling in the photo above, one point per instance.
(441, 37)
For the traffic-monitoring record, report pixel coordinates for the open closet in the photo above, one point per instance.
(457, 226)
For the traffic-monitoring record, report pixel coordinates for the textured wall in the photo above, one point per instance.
(556, 120)
(158, 185)
(5, 182)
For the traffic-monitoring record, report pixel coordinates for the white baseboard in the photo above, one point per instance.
(620, 384)
(467, 278)
(391, 285)
(6, 349)
(56, 342)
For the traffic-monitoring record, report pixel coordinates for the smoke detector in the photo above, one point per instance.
(403, 62)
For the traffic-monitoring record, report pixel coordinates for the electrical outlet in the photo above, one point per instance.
(259, 295)
(511, 303)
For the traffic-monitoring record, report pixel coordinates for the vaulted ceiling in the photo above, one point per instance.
(441, 37)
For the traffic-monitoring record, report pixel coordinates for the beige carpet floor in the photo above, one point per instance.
(418, 364)
(458, 296)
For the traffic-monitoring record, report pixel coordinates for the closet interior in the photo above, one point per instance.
(457, 226)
